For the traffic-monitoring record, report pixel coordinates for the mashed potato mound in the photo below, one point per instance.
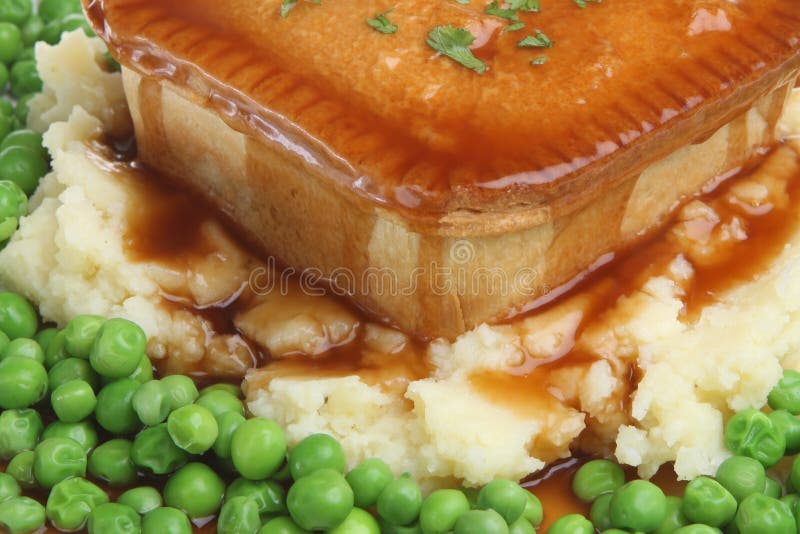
(490, 404)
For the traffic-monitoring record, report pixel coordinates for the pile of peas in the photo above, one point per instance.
(23, 160)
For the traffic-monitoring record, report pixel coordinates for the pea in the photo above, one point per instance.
(786, 393)
(697, 529)
(111, 462)
(13, 205)
(73, 401)
(154, 450)
(196, 489)
(15, 11)
(23, 382)
(596, 477)
(398, 529)
(357, 522)
(22, 165)
(268, 495)
(21, 515)
(31, 30)
(56, 459)
(57, 9)
(231, 389)
(142, 499)
(51, 32)
(742, 476)
(282, 525)
(84, 433)
(773, 488)
(758, 514)
(789, 425)
(21, 468)
(71, 501)
(791, 500)
(4, 341)
(72, 369)
(9, 488)
(114, 518)
(6, 107)
(114, 410)
(117, 349)
(600, 513)
(521, 526)
(7, 124)
(143, 372)
(182, 391)
(220, 402)
(441, 509)
(674, 518)
(166, 520)
(17, 316)
(22, 109)
(19, 431)
(152, 403)
(638, 505)
(24, 348)
(751, 433)
(505, 497)
(10, 42)
(316, 451)
(320, 501)
(81, 331)
(368, 479)
(706, 501)
(56, 351)
(193, 428)
(258, 447)
(483, 522)
(227, 424)
(571, 524)
(239, 516)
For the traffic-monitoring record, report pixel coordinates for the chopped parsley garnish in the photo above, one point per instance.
(538, 41)
(454, 43)
(286, 6)
(514, 27)
(463, 1)
(530, 6)
(382, 24)
(508, 14)
(541, 60)
(582, 3)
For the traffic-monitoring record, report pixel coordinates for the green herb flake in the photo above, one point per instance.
(541, 60)
(286, 6)
(454, 43)
(508, 14)
(529, 6)
(464, 2)
(540, 40)
(381, 23)
(514, 27)
(583, 3)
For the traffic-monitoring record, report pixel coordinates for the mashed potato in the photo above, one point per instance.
(490, 404)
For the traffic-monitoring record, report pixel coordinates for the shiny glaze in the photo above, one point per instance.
(386, 116)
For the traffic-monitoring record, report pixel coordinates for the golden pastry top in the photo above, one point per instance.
(624, 83)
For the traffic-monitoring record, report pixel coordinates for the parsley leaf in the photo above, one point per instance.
(382, 24)
(583, 3)
(463, 1)
(541, 60)
(530, 6)
(286, 6)
(508, 14)
(539, 41)
(514, 27)
(454, 43)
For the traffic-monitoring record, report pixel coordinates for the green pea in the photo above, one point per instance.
(316, 451)
(112, 63)
(118, 348)
(742, 476)
(13, 206)
(56, 351)
(595, 478)
(758, 514)
(114, 410)
(84, 433)
(9, 487)
(111, 462)
(154, 450)
(22, 109)
(22, 165)
(17, 316)
(773, 488)
(73, 401)
(24, 77)
(441, 509)
(282, 525)
(791, 500)
(674, 518)
(231, 389)
(114, 518)
(23, 382)
(19, 431)
(320, 501)
(76, 21)
(600, 513)
(45, 336)
(21, 469)
(31, 30)
(386, 528)
(71, 501)
(258, 447)
(505, 497)
(789, 425)
(10, 42)
(81, 331)
(638, 505)
(193, 428)
(751, 433)
(706, 501)
(401, 500)
(152, 403)
(571, 524)
(220, 402)
(786, 393)
(227, 424)
(182, 391)
(51, 32)
(24, 348)
(268, 495)
(57, 9)
(697, 529)
(6, 108)
(142, 499)
(368, 479)
(15, 11)
(143, 372)
(166, 520)
(21, 515)
(196, 489)
(521, 526)
(56, 459)
(533, 512)
(239, 516)
(72, 369)
(483, 522)
(357, 522)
